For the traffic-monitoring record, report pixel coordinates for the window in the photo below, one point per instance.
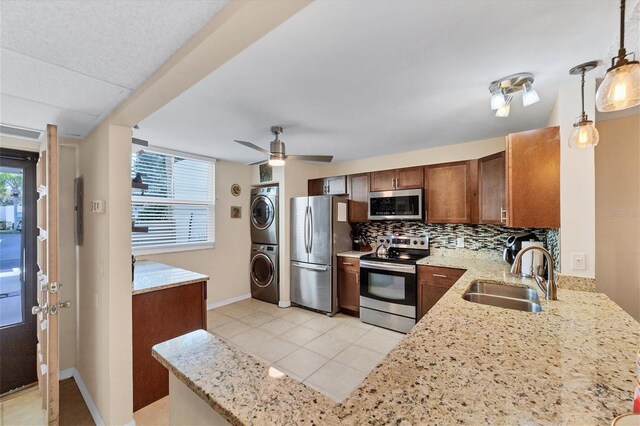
(174, 208)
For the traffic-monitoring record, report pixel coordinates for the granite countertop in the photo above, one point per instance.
(354, 254)
(153, 276)
(463, 363)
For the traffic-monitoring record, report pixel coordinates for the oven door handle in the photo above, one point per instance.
(383, 266)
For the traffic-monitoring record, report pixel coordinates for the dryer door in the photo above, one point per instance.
(262, 212)
(262, 270)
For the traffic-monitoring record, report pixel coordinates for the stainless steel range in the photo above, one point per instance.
(388, 283)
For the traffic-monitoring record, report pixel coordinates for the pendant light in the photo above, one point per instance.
(621, 86)
(584, 134)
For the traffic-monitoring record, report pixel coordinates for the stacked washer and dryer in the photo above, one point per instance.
(264, 244)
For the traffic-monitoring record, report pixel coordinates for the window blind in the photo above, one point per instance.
(177, 209)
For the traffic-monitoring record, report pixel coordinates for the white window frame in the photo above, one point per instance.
(211, 204)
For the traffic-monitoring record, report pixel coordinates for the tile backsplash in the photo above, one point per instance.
(486, 238)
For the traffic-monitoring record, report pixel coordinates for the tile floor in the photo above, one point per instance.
(331, 355)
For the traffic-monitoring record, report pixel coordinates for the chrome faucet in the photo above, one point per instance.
(548, 286)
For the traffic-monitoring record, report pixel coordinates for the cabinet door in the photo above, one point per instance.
(448, 195)
(433, 283)
(316, 186)
(336, 185)
(430, 295)
(349, 285)
(533, 178)
(382, 181)
(410, 178)
(359, 198)
(491, 189)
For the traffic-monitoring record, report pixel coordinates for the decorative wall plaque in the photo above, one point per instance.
(236, 212)
(235, 190)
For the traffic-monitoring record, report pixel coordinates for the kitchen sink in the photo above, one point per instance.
(503, 296)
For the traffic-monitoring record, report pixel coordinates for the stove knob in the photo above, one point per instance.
(415, 242)
(388, 241)
(421, 243)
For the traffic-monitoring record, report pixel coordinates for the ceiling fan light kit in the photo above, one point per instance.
(584, 134)
(503, 89)
(621, 86)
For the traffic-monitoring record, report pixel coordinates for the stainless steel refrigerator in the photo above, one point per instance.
(319, 230)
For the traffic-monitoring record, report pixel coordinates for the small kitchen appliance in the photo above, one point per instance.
(514, 245)
(388, 283)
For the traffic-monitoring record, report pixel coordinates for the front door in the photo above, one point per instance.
(17, 269)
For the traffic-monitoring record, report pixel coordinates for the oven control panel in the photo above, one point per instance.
(404, 241)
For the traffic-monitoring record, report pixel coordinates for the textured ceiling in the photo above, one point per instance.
(72, 62)
(357, 79)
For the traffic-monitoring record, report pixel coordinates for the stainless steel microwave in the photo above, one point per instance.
(404, 204)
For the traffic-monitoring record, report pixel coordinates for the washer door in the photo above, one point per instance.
(262, 270)
(262, 212)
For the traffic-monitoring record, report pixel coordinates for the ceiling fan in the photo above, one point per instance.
(277, 154)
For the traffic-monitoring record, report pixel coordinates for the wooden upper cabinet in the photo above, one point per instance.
(359, 198)
(334, 185)
(449, 192)
(491, 189)
(410, 178)
(389, 180)
(533, 178)
(382, 181)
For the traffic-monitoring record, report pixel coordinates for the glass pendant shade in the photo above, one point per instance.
(497, 100)
(503, 111)
(620, 89)
(276, 162)
(529, 95)
(584, 135)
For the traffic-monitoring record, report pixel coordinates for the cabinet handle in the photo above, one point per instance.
(503, 215)
(397, 179)
(347, 263)
(439, 275)
(357, 277)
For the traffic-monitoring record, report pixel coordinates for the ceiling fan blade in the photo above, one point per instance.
(257, 163)
(253, 146)
(322, 158)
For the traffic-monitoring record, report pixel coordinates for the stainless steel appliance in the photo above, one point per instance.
(264, 215)
(264, 272)
(319, 230)
(388, 283)
(404, 204)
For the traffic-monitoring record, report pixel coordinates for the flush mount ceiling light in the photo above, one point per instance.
(502, 92)
(584, 133)
(621, 86)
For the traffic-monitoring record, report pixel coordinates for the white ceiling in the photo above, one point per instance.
(357, 79)
(72, 62)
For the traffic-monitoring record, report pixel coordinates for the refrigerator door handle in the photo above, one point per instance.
(310, 229)
(306, 229)
(310, 266)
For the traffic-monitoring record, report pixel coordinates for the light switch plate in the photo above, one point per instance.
(98, 206)
(460, 242)
(578, 261)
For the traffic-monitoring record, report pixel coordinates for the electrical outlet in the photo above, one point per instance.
(578, 261)
(460, 242)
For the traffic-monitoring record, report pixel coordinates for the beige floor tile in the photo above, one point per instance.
(236, 312)
(155, 414)
(346, 332)
(323, 323)
(289, 373)
(216, 319)
(230, 329)
(23, 408)
(300, 335)
(273, 349)
(336, 379)
(278, 326)
(360, 358)
(328, 346)
(378, 342)
(354, 322)
(301, 362)
(299, 316)
(257, 319)
(250, 338)
(388, 333)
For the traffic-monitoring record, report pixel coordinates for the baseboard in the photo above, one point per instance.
(228, 301)
(97, 418)
(66, 373)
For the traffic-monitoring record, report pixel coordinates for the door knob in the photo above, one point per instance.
(66, 304)
(37, 309)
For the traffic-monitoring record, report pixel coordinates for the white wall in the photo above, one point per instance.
(577, 179)
(227, 264)
(105, 351)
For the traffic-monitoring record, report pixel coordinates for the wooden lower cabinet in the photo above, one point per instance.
(159, 316)
(433, 283)
(349, 285)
